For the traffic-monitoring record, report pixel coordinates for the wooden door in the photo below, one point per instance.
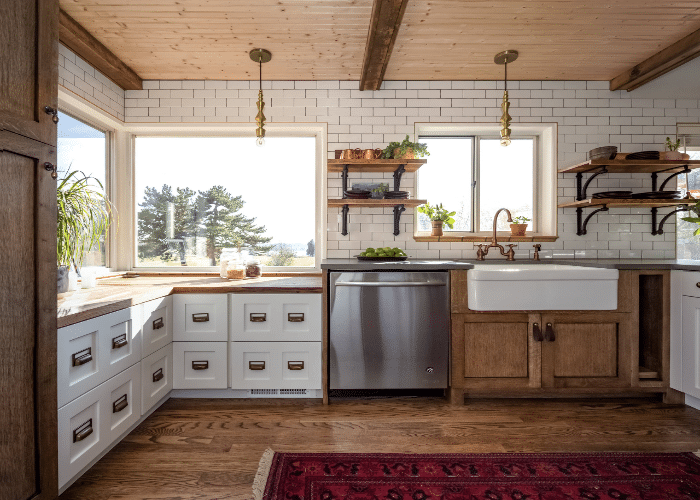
(586, 350)
(495, 351)
(28, 413)
(29, 78)
(690, 378)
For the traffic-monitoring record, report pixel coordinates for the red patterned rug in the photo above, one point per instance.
(517, 476)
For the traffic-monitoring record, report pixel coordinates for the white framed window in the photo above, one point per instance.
(469, 172)
(198, 190)
(687, 244)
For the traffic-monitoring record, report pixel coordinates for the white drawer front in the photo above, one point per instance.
(157, 324)
(276, 317)
(123, 401)
(91, 351)
(200, 318)
(80, 439)
(200, 365)
(276, 365)
(691, 283)
(156, 377)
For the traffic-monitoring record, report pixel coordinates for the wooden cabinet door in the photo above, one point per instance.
(690, 361)
(495, 351)
(29, 74)
(586, 350)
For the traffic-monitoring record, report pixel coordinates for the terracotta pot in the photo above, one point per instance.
(674, 155)
(437, 227)
(518, 229)
(408, 155)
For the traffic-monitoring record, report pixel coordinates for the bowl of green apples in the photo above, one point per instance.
(383, 254)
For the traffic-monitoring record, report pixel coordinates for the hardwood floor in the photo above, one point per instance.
(209, 448)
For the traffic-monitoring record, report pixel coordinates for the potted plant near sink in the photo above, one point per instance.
(519, 226)
(83, 218)
(438, 216)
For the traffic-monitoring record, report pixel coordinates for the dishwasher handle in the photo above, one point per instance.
(390, 283)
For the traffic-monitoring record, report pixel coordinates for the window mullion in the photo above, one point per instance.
(476, 180)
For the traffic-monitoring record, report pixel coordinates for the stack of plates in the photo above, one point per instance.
(613, 194)
(605, 152)
(396, 195)
(658, 195)
(644, 155)
(357, 194)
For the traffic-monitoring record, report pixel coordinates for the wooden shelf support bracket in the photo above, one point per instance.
(581, 224)
(398, 210)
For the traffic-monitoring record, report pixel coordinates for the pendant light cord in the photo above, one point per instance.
(506, 76)
(260, 65)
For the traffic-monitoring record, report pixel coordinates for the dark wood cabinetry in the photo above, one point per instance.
(28, 439)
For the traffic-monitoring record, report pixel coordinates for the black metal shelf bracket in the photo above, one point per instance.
(398, 210)
(397, 176)
(345, 210)
(685, 170)
(344, 176)
(581, 189)
(656, 230)
(581, 224)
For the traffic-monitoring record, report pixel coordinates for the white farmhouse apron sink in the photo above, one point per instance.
(541, 287)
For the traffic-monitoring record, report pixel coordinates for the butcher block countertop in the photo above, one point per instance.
(113, 294)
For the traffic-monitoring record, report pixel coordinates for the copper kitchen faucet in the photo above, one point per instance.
(484, 249)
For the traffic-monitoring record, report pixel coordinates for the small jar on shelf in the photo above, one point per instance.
(235, 271)
(253, 269)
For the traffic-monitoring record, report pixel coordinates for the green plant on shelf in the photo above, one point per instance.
(437, 212)
(520, 219)
(696, 219)
(419, 149)
(673, 146)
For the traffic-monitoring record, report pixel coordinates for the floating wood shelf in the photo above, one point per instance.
(632, 166)
(375, 203)
(374, 165)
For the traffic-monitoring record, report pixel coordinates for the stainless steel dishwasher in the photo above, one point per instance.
(389, 330)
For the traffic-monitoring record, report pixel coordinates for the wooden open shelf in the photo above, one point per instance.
(632, 166)
(375, 165)
(623, 202)
(375, 203)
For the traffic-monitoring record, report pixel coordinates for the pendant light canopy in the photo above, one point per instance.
(260, 56)
(505, 57)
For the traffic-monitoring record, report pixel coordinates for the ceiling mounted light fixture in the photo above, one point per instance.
(505, 57)
(260, 56)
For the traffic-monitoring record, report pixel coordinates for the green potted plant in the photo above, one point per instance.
(378, 192)
(438, 216)
(673, 153)
(405, 150)
(519, 225)
(83, 218)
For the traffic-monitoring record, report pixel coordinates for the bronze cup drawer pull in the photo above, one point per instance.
(158, 375)
(256, 365)
(83, 431)
(200, 317)
(295, 365)
(295, 317)
(258, 317)
(82, 357)
(120, 341)
(200, 365)
(158, 324)
(120, 404)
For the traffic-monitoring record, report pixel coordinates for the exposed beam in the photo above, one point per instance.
(79, 40)
(383, 28)
(662, 62)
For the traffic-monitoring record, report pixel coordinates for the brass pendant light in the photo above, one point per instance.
(505, 57)
(260, 56)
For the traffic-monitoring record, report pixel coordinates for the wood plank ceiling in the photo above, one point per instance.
(438, 39)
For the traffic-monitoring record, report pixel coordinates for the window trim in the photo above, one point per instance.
(544, 176)
(316, 130)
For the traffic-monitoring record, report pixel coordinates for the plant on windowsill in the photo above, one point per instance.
(519, 226)
(438, 216)
(673, 153)
(82, 220)
(405, 150)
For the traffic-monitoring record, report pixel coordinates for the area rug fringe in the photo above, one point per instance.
(263, 472)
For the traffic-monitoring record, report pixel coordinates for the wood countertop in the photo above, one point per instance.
(114, 294)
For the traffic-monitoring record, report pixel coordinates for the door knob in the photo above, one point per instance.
(52, 111)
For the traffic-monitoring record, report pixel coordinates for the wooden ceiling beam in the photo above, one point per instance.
(383, 29)
(79, 40)
(673, 56)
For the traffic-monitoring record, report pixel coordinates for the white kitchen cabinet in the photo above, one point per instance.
(200, 317)
(92, 351)
(276, 365)
(257, 317)
(690, 346)
(156, 377)
(157, 324)
(200, 365)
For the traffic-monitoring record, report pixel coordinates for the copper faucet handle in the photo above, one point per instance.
(537, 248)
(480, 253)
(511, 253)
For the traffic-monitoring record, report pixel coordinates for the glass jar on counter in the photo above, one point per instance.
(253, 269)
(235, 271)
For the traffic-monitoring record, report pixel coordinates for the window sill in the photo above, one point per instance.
(484, 238)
